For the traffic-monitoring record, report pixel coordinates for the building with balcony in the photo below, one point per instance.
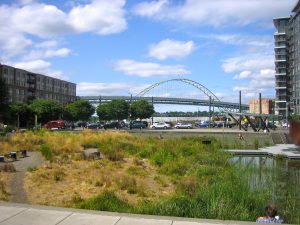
(281, 66)
(24, 86)
(287, 63)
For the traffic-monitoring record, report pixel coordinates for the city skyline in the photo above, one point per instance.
(116, 47)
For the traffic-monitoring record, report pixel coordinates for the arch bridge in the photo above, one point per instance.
(211, 101)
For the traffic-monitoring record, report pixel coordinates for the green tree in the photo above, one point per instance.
(141, 109)
(21, 110)
(78, 110)
(46, 109)
(117, 109)
(3, 99)
(103, 112)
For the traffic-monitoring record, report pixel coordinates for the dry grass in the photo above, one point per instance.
(4, 180)
(67, 184)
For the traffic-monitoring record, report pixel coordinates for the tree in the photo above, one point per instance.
(103, 112)
(46, 109)
(3, 99)
(117, 109)
(141, 109)
(19, 109)
(79, 110)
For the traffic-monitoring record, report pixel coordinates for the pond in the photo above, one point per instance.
(278, 178)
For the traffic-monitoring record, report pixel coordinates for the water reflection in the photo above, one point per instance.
(279, 179)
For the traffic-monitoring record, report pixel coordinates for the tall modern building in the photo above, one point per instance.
(287, 63)
(281, 66)
(24, 86)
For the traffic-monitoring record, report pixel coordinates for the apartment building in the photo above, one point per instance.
(287, 63)
(24, 86)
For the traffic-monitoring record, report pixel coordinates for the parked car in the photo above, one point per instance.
(137, 124)
(183, 126)
(223, 124)
(55, 124)
(114, 125)
(93, 126)
(80, 124)
(206, 124)
(160, 125)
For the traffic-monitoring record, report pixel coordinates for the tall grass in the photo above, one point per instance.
(207, 184)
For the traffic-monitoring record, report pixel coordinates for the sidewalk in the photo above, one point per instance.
(287, 150)
(21, 214)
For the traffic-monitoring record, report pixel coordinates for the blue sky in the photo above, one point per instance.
(117, 47)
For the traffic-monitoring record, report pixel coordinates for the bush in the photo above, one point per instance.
(46, 152)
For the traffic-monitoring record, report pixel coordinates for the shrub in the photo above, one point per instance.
(46, 152)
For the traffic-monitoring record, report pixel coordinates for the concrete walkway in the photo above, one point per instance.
(287, 150)
(21, 214)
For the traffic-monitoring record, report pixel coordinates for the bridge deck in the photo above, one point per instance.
(20, 214)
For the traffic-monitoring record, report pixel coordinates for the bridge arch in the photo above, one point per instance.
(197, 85)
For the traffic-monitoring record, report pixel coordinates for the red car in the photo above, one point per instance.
(55, 124)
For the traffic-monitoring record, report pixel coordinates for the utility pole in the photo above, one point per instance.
(209, 111)
(240, 109)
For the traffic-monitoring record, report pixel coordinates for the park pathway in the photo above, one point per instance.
(17, 191)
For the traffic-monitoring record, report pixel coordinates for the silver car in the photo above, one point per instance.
(183, 126)
(160, 125)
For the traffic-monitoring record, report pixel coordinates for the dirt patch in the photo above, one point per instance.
(17, 192)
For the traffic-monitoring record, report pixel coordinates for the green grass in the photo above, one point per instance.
(108, 201)
(207, 184)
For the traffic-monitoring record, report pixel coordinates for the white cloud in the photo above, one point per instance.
(236, 39)
(40, 66)
(149, 9)
(24, 23)
(97, 89)
(47, 44)
(171, 49)
(243, 75)
(215, 13)
(37, 66)
(147, 69)
(260, 82)
(101, 16)
(48, 53)
(249, 62)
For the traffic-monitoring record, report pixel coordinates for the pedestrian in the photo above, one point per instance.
(241, 136)
(271, 215)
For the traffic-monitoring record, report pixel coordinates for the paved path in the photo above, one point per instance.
(288, 150)
(17, 191)
(20, 214)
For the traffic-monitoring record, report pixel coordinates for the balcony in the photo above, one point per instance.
(31, 81)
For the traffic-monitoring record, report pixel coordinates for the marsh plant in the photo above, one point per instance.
(190, 177)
